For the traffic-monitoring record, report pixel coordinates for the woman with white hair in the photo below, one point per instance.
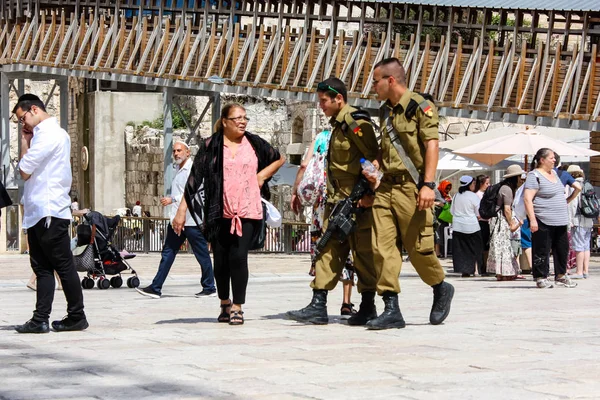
(467, 246)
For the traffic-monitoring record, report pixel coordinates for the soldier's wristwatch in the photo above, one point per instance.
(430, 185)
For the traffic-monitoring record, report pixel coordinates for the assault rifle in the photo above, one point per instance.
(341, 224)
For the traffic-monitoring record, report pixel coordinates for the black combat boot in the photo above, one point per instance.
(366, 312)
(391, 317)
(315, 312)
(442, 298)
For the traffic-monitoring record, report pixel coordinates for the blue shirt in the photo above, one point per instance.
(565, 177)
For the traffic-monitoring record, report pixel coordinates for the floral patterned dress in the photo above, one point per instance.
(318, 212)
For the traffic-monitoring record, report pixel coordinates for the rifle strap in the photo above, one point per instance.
(410, 166)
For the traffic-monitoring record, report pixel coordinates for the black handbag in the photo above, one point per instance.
(258, 242)
(5, 199)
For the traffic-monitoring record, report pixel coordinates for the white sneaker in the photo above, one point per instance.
(565, 281)
(544, 283)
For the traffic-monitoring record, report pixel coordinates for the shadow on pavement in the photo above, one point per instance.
(69, 376)
(187, 321)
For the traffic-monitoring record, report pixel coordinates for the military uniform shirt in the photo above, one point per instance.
(412, 134)
(345, 151)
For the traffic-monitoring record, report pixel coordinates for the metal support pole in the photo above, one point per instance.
(63, 86)
(168, 142)
(216, 108)
(5, 127)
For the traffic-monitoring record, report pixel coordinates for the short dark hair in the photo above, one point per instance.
(332, 87)
(556, 160)
(27, 101)
(394, 64)
(464, 188)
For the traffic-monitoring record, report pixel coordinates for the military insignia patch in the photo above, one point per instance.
(427, 109)
(356, 128)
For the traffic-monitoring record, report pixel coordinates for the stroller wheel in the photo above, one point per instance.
(87, 283)
(103, 283)
(116, 282)
(133, 282)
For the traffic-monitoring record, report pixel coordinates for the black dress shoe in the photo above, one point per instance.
(32, 326)
(69, 324)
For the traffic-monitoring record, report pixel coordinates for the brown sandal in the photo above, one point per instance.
(224, 316)
(236, 318)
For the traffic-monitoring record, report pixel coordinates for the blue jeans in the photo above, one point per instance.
(171, 248)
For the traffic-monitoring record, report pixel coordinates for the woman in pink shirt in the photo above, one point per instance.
(228, 179)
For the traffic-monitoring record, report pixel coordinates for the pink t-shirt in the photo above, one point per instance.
(241, 194)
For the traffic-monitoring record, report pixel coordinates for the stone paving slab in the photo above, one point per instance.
(503, 340)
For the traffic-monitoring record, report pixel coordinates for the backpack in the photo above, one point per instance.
(488, 207)
(589, 206)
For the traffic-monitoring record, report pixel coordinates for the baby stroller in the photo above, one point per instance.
(98, 257)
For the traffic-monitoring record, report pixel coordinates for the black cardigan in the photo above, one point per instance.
(204, 188)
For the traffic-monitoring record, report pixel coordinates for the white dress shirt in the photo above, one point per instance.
(48, 161)
(177, 188)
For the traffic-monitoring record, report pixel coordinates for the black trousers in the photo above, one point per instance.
(548, 238)
(49, 251)
(230, 254)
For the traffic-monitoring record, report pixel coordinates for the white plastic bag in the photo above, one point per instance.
(273, 215)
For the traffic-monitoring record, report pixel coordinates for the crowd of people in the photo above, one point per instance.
(536, 213)
(219, 199)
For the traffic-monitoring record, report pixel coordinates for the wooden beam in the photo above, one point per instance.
(192, 55)
(231, 50)
(291, 62)
(127, 44)
(241, 58)
(593, 67)
(542, 94)
(521, 72)
(488, 79)
(458, 57)
(147, 49)
(167, 56)
(535, 67)
(557, 66)
(425, 69)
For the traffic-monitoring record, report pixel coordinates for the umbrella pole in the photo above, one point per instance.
(526, 163)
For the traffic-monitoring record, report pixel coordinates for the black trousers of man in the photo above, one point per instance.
(49, 251)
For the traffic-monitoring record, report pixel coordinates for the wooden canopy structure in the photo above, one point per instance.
(527, 65)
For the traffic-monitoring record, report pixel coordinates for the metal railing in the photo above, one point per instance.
(146, 235)
(12, 227)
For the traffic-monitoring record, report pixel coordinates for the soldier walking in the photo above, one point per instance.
(353, 138)
(402, 210)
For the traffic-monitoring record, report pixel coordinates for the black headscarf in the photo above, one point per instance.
(204, 188)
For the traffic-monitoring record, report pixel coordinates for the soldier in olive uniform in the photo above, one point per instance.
(352, 139)
(402, 211)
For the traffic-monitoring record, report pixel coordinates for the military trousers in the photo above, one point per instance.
(398, 223)
(330, 262)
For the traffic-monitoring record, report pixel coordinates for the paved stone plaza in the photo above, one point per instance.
(502, 340)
